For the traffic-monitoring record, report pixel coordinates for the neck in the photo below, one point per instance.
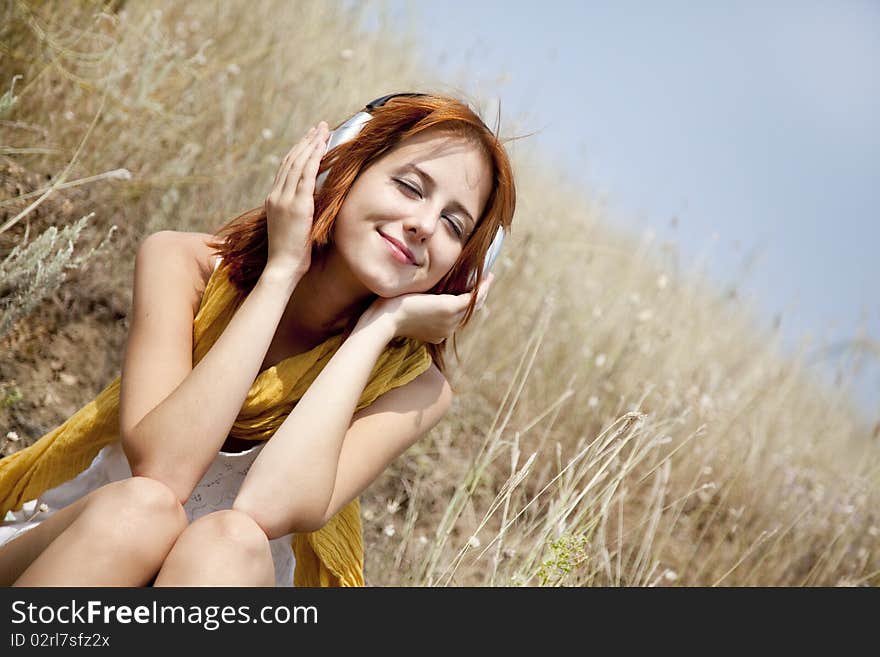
(324, 301)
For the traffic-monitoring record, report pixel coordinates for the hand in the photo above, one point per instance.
(290, 206)
(426, 317)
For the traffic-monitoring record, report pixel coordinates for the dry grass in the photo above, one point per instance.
(617, 423)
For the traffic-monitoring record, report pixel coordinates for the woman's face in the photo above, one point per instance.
(431, 213)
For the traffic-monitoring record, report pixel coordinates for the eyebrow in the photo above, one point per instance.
(432, 184)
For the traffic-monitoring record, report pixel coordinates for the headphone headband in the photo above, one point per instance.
(384, 99)
(379, 102)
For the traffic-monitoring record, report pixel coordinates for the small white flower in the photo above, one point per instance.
(670, 575)
(389, 530)
(873, 531)
(346, 54)
(233, 69)
(600, 360)
(368, 514)
(266, 133)
(70, 116)
(593, 401)
(423, 540)
(707, 470)
(392, 506)
(474, 542)
(705, 497)
(199, 59)
(12, 436)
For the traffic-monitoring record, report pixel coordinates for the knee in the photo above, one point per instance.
(234, 530)
(140, 500)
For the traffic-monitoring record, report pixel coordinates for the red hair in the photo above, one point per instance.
(243, 242)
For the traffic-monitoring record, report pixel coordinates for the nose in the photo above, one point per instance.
(423, 224)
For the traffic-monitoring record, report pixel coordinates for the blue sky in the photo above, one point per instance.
(756, 124)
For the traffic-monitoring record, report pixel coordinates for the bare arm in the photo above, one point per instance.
(174, 418)
(322, 456)
(305, 449)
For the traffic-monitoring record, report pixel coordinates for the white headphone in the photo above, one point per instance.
(350, 129)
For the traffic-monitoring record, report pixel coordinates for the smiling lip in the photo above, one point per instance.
(399, 249)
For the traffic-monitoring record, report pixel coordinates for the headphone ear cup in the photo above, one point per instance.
(344, 133)
(491, 255)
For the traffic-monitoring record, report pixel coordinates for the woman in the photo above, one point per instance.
(274, 370)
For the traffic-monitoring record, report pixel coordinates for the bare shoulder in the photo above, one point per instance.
(429, 396)
(433, 379)
(430, 389)
(188, 254)
(195, 246)
(202, 253)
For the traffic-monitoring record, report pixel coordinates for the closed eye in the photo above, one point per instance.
(458, 229)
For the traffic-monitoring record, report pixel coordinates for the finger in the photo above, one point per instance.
(281, 174)
(299, 173)
(291, 182)
(288, 160)
(484, 292)
(306, 185)
(483, 289)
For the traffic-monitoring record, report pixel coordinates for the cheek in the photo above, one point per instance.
(443, 261)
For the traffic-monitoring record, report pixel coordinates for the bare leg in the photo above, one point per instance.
(19, 553)
(224, 548)
(120, 537)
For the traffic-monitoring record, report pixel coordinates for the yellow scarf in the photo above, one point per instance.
(331, 556)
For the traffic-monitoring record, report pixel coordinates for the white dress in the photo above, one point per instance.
(216, 490)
